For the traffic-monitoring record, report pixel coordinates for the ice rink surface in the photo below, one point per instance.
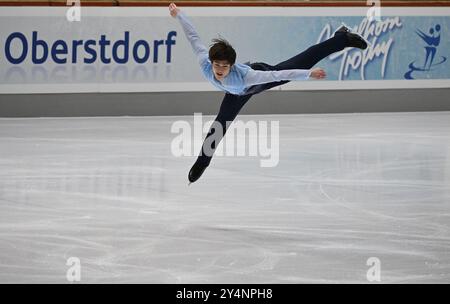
(110, 192)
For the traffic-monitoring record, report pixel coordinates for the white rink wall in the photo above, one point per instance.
(115, 49)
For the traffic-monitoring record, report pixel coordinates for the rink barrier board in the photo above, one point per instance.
(208, 103)
(225, 11)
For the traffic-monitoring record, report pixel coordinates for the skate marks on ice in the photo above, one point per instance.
(107, 190)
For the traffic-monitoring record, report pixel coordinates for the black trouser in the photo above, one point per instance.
(232, 104)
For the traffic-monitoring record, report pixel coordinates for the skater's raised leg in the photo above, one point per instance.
(307, 59)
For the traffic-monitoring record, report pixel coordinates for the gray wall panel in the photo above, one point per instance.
(186, 103)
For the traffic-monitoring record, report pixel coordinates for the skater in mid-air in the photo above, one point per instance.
(241, 81)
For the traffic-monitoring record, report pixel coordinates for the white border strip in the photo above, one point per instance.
(312, 85)
(222, 11)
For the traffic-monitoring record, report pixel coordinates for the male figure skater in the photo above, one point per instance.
(240, 81)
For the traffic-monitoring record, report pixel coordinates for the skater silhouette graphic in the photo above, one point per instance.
(432, 40)
(432, 43)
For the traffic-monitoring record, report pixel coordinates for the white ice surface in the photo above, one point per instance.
(108, 191)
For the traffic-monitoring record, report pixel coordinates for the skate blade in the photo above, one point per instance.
(367, 41)
(342, 24)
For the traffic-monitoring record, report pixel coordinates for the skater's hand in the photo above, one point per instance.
(318, 73)
(173, 10)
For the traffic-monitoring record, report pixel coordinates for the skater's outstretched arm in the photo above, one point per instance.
(191, 34)
(259, 77)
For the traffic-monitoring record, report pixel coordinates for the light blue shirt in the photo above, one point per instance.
(241, 76)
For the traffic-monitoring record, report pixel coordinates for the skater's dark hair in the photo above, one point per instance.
(222, 50)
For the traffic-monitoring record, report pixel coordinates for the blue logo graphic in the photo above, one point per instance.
(432, 40)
